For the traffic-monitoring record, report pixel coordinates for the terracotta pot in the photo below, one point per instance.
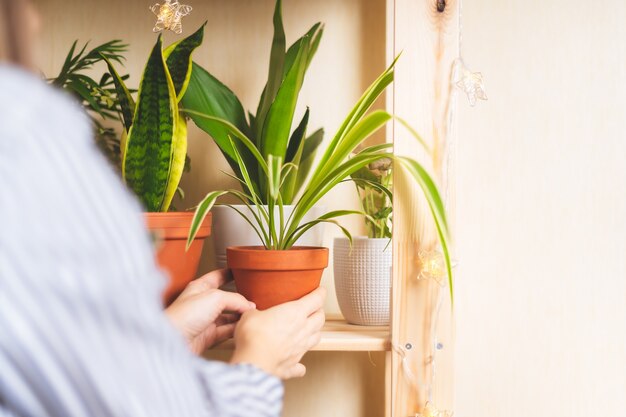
(272, 277)
(171, 231)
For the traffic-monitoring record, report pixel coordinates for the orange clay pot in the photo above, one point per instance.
(171, 231)
(272, 277)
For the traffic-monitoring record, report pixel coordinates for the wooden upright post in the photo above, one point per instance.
(426, 32)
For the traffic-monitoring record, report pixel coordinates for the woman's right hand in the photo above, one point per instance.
(276, 339)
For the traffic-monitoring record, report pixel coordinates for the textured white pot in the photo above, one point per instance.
(230, 229)
(363, 279)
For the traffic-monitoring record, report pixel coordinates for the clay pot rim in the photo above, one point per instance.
(260, 248)
(298, 258)
(176, 224)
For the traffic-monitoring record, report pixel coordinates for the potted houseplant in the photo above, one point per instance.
(95, 95)
(154, 150)
(271, 128)
(363, 267)
(279, 270)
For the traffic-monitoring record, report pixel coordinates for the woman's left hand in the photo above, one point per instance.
(206, 315)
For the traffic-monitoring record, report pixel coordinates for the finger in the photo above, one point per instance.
(214, 279)
(314, 340)
(232, 302)
(224, 332)
(316, 321)
(312, 302)
(296, 371)
(226, 318)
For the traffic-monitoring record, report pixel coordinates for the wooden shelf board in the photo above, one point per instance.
(338, 336)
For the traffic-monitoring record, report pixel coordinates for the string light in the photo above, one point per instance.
(169, 16)
(432, 265)
(471, 83)
(431, 411)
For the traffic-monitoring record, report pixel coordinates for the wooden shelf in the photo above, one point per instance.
(340, 336)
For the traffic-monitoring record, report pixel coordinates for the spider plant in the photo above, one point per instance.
(155, 149)
(96, 97)
(270, 129)
(376, 203)
(278, 232)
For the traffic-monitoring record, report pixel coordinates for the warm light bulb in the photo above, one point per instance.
(430, 411)
(169, 16)
(432, 265)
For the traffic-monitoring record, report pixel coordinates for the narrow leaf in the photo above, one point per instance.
(179, 63)
(146, 164)
(127, 104)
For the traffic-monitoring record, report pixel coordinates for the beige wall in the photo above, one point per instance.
(541, 290)
(236, 50)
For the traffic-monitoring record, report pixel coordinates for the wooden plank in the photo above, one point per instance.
(340, 336)
(426, 32)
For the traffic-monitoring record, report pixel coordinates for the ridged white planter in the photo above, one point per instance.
(230, 229)
(363, 279)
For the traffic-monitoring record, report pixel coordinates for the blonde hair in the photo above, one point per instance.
(15, 40)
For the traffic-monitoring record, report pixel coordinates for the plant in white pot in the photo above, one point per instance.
(278, 270)
(271, 129)
(362, 268)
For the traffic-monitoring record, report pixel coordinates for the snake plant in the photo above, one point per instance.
(270, 129)
(155, 147)
(338, 163)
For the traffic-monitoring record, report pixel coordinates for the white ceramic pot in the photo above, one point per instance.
(363, 279)
(230, 229)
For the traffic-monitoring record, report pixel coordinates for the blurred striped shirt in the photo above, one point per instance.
(82, 331)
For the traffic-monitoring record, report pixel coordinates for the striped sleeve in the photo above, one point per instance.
(82, 332)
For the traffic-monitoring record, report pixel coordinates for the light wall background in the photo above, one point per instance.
(541, 219)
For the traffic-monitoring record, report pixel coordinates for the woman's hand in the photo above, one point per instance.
(276, 339)
(205, 315)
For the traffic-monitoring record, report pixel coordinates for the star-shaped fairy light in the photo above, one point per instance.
(169, 16)
(471, 83)
(431, 411)
(432, 265)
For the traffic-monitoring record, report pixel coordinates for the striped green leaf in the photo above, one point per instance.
(148, 154)
(179, 62)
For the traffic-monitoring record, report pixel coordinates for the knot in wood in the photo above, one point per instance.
(441, 6)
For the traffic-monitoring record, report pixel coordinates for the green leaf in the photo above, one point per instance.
(177, 162)
(277, 126)
(297, 137)
(147, 159)
(314, 193)
(435, 203)
(275, 74)
(179, 62)
(311, 144)
(274, 166)
(358, 133)
(314, 35)
(201, 212)
(127, 104)
(292, 239)
(207, 101)
(294, 155)
(358, 111)
(232, 131)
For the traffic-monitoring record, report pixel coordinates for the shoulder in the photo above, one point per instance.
(30, 104)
